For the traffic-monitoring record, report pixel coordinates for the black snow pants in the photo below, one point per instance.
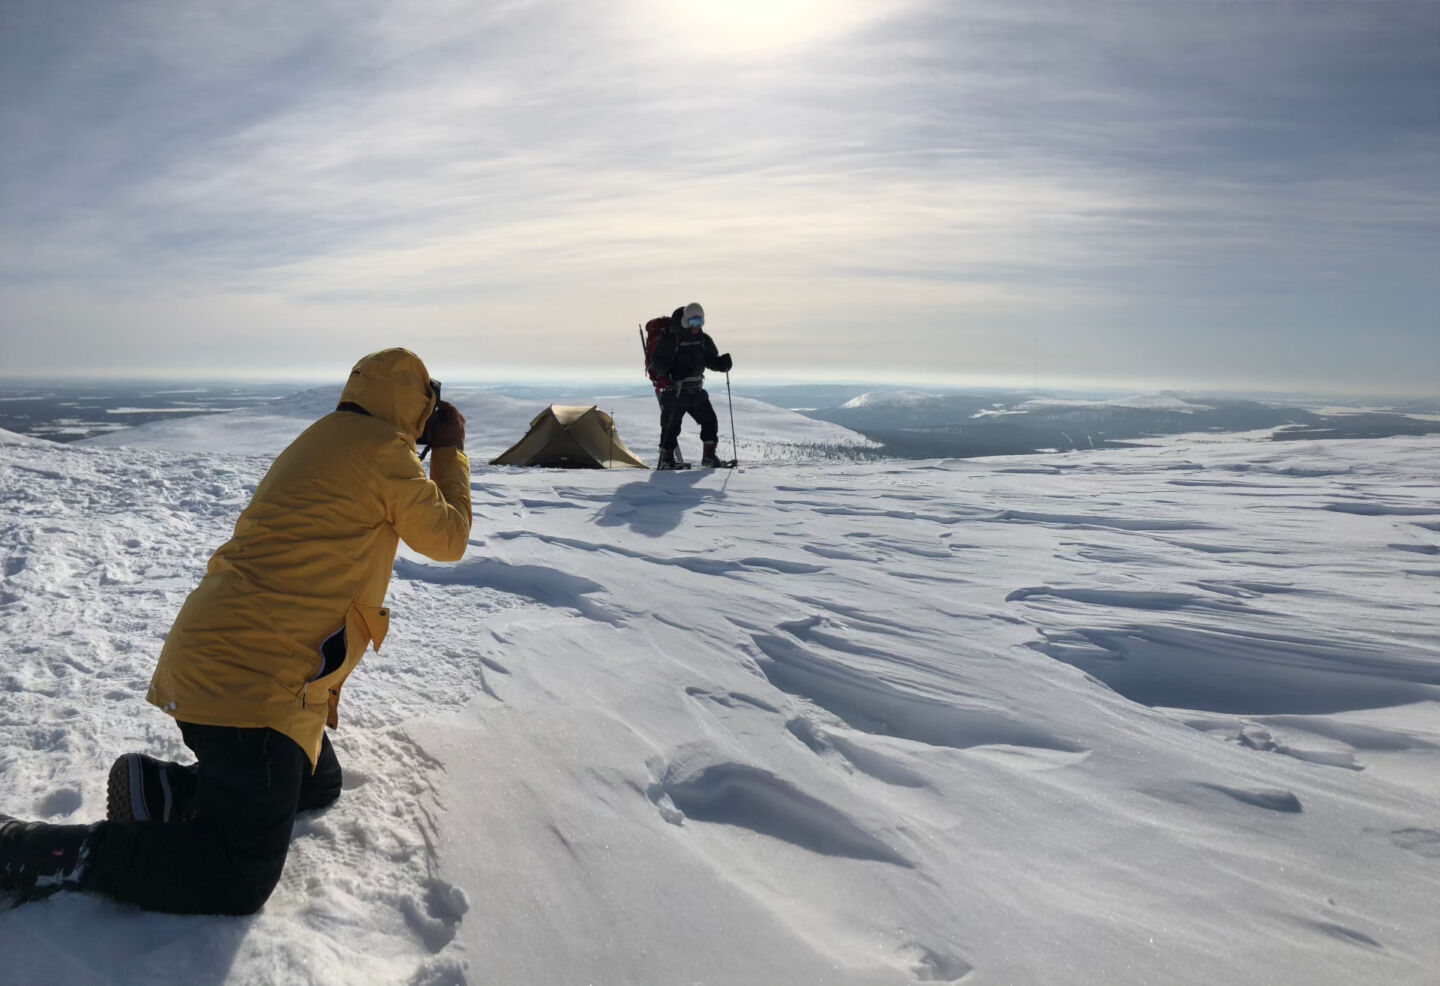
(674, 405)
(226, 854)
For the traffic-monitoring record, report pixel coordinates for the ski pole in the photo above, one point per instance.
(734, 451)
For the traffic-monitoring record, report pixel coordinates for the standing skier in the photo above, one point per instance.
(677, 365)
(253, 667)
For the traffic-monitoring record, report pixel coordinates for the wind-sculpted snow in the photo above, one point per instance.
(535, 583)
(748, 797)
(1271, 799)
(1225, 670)
(868, 701)
(1163, 715)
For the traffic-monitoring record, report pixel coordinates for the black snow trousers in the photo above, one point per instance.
(225, 854)
(674, 405)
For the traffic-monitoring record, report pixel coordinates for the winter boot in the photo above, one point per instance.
(707, 456)
(667, 460)
(37, 859)
(143, 789)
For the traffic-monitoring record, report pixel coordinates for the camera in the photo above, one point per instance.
(427, 437)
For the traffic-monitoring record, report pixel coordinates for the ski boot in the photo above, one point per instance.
(37, 859)
(709, 461)
(143, 789)
(671, 459)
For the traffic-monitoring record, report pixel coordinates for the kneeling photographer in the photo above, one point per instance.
(253, 668)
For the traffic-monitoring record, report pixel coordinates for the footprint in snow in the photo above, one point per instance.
(63, 802)
(436, 917)
(439, 971)
(930, 966)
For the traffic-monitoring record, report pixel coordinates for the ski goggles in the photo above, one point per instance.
(694, 321)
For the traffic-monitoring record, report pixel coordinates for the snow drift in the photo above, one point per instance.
(1161, 715)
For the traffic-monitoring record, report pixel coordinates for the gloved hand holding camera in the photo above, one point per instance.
(446, 427)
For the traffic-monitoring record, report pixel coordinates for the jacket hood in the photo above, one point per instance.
(681, 316)
(394, 386)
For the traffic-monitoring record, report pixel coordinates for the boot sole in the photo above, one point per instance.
(124, 778)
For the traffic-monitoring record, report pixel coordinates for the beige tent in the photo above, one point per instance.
(572, 438)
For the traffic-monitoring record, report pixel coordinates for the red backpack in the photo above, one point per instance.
(654, 332)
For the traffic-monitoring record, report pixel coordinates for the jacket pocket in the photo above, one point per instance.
(343, 649)
(375, 620)
(333, 651)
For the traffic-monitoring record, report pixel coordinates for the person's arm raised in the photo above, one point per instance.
(431, 514)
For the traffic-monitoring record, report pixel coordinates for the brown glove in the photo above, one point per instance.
(447, 427)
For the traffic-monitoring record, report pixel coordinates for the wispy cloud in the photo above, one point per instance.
(990, 182)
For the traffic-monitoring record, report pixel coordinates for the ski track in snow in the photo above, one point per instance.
(1114, 716)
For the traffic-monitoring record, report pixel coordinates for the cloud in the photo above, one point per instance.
(973, 172)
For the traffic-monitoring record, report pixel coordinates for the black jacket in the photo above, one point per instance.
(684, 356)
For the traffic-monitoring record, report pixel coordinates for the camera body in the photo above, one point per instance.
(427, 436)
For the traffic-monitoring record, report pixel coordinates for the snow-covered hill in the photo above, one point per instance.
(15, 438)
(494, 423)
(1165, 715)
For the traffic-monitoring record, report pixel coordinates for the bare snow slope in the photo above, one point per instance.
(1157, 716)
(15, 438)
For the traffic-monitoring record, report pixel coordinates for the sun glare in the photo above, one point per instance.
(747, 27)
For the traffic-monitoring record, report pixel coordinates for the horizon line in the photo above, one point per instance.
(610, 376)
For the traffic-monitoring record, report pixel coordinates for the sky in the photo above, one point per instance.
(1214, 195)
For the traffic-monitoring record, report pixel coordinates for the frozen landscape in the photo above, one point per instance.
(1158, 715)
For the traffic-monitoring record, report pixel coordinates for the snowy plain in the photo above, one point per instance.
(1163, 715)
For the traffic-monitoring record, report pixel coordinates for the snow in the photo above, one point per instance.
(15, 438)
(889, 398)
(494, 423)
(1161, 401)
(194, 409)
(1155, 715)
(1164, 400)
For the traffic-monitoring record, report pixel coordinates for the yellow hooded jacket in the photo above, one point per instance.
(288, 604)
